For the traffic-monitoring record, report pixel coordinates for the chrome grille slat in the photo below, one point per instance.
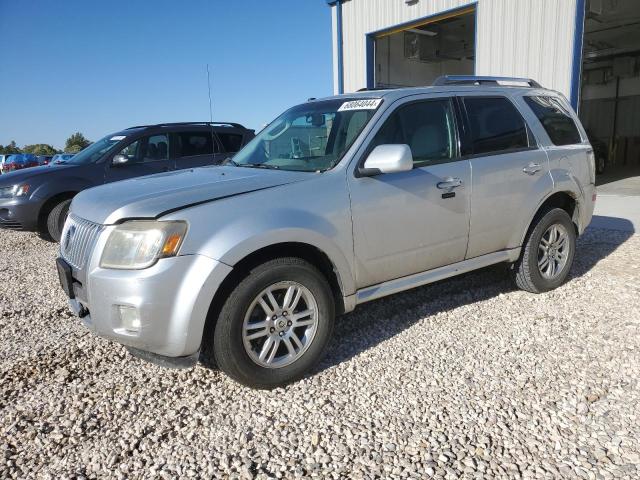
(78, 237)
(80, 245)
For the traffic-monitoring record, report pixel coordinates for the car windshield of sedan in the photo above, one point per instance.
(95, 151)
(310, 137)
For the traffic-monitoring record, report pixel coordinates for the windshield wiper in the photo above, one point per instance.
(258, 165)
(231, 161)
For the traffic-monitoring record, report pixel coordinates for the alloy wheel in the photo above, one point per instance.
(553, 251)
(280, 324)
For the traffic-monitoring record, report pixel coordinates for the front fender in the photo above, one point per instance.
(236, 236)
(56, 186)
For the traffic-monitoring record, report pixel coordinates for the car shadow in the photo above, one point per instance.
(379, 320)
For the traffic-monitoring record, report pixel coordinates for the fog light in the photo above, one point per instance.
(129, 318)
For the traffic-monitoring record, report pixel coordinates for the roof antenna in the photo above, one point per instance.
(214, 143)
(209, 87)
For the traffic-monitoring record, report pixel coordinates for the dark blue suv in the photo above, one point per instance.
(38, 199)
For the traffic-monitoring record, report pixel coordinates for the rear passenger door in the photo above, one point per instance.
(510, 173)
(146, 156)
(196, 148)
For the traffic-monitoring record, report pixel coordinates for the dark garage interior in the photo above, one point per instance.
(610, 90)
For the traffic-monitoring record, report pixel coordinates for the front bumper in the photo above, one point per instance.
(19, 213)
(171, 298)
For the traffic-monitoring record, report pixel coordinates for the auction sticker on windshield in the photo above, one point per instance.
(365, 104)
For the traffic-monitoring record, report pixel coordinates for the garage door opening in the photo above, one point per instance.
(610, 90)
(417, 54)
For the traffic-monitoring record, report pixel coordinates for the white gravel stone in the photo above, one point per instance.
(466, 378)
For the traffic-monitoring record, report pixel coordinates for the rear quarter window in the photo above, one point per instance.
(232, 142)
(555, 119)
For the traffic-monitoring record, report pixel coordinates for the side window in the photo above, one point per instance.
(495, 125)
(147, 149)
(232, 142)
(131, 151)
(191, 144)
(157, 148)
(428, 128)
(555, 119)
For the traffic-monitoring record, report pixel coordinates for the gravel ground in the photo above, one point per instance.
(465, 378)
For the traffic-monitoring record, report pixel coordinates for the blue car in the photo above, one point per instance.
(19, 161)
(44, 159)
(61, 158)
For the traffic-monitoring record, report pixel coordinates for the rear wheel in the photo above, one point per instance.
(548, 253)
(274, 326)
(55, 221)
(600, 165)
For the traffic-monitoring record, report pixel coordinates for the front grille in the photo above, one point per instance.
(78, 237)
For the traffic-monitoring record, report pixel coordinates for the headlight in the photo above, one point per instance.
(139, 244)
(14, 191)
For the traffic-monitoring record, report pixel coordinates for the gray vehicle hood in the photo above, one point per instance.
(156, 195)
(29, 174)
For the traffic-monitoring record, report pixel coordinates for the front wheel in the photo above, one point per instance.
(275, 325)
(547, 254)
(56, 217)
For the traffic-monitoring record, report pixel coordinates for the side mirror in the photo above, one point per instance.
(388, 159)
(119, 160)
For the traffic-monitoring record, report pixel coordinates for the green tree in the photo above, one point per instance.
(75, 143)
(40, 149)
(9, 149)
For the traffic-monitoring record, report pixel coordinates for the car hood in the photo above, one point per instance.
(26, 174)
(156, 195)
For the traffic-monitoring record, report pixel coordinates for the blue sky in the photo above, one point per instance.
(101, 66)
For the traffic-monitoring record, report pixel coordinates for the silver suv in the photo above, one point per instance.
(337, 202)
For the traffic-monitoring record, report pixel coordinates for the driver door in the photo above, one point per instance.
(146, 156)
(413, 221)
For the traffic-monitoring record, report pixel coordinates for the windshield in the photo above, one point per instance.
(310, 137)
(93, 152)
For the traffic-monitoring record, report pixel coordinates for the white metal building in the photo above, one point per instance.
(587, 49)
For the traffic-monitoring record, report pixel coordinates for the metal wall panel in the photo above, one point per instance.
(529, 38)
(365, 16)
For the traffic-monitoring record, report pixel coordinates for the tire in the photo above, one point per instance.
(600, 165)
(533, 277)
(239, 356)
(55, 221)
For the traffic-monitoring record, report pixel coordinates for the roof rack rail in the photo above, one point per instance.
(374, 89)
(481, 80)
(230, 124)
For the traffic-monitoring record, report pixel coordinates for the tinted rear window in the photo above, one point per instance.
(555, 119)
(232, 142)
(191, 144)
(495, 124)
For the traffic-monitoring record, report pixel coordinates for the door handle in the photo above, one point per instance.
(532, 168)
(449, 183)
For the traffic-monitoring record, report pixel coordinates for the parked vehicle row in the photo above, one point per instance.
(338, 202)
(38, 199)
(19, 161)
